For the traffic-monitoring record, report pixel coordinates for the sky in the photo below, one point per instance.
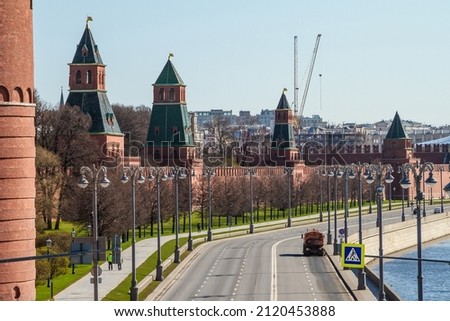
(374, 57)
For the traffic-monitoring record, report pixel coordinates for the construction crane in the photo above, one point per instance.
(308, 80)
(295, 77)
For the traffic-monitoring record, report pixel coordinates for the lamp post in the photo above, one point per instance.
(177, 174)
(48, 244)
(324, 173)
(366, 175)
(320, 173)
(360, 172)
(130, 172)
(379, 170)
(208, 172)
(251, 172)
(390, 198)
(447, 189)
(347, 172)
(158, 174)
(190, 242)
(441, 169)
(94, 174)
(335, 172)
(72, 233)
(288, 172)
(404, 177)
(418, 171)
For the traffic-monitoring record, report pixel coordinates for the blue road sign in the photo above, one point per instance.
(352, 255)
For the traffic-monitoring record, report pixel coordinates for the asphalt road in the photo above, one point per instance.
(266, 266)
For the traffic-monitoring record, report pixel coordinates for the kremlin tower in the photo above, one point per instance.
(17, 151)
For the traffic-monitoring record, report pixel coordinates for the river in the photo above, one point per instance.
(401, 275)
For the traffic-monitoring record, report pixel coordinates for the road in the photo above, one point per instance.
(265, 266)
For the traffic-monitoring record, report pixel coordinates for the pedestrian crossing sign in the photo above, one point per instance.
(352, 255)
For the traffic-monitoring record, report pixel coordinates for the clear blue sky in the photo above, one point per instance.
(375, 57)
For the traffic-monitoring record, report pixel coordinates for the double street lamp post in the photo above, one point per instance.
(288, 172)
(177, 174)
(131, 172)
(251, 172)
(441, 169)
(158, 174)
(94, 173)
(329, 237)
(72, 233)
(360, 170)
(190, 242)
(335, 172)
(209, 172)
(347, 172)
(379, 170)
(418, 170)
(320, 174)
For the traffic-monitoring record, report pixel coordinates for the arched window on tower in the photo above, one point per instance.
(78, 77)
(89, 77)
(171, 94)
(161, 94)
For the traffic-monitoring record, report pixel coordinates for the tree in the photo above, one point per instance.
(48, 184)
(133, 122)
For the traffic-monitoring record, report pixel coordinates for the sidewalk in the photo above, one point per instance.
(83, 290)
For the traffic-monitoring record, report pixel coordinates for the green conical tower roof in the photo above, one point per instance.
(283, 103)
(87, 50)
(169, 75)
(396, 131)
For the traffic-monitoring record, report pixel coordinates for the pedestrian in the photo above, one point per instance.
(110, 261)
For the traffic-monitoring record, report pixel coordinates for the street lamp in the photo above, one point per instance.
(368, 176)
(379, 170)
(418, 171)
(320, 174)
(130, 172)
(288, 172)
(48, 244)
(251, 172)
(94, 174)
(208, 172)
(177, 174)
(335, 172)
(190, 242)
(441, 169)
(158, 174)
(324, 173)
(347, 172)
(447, 189)
(404, 179)
(73, 240)
(360, 172)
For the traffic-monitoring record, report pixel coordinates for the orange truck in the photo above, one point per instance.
(313, 243)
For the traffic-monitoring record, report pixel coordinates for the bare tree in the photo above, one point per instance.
(48, 184)
(133, 122)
